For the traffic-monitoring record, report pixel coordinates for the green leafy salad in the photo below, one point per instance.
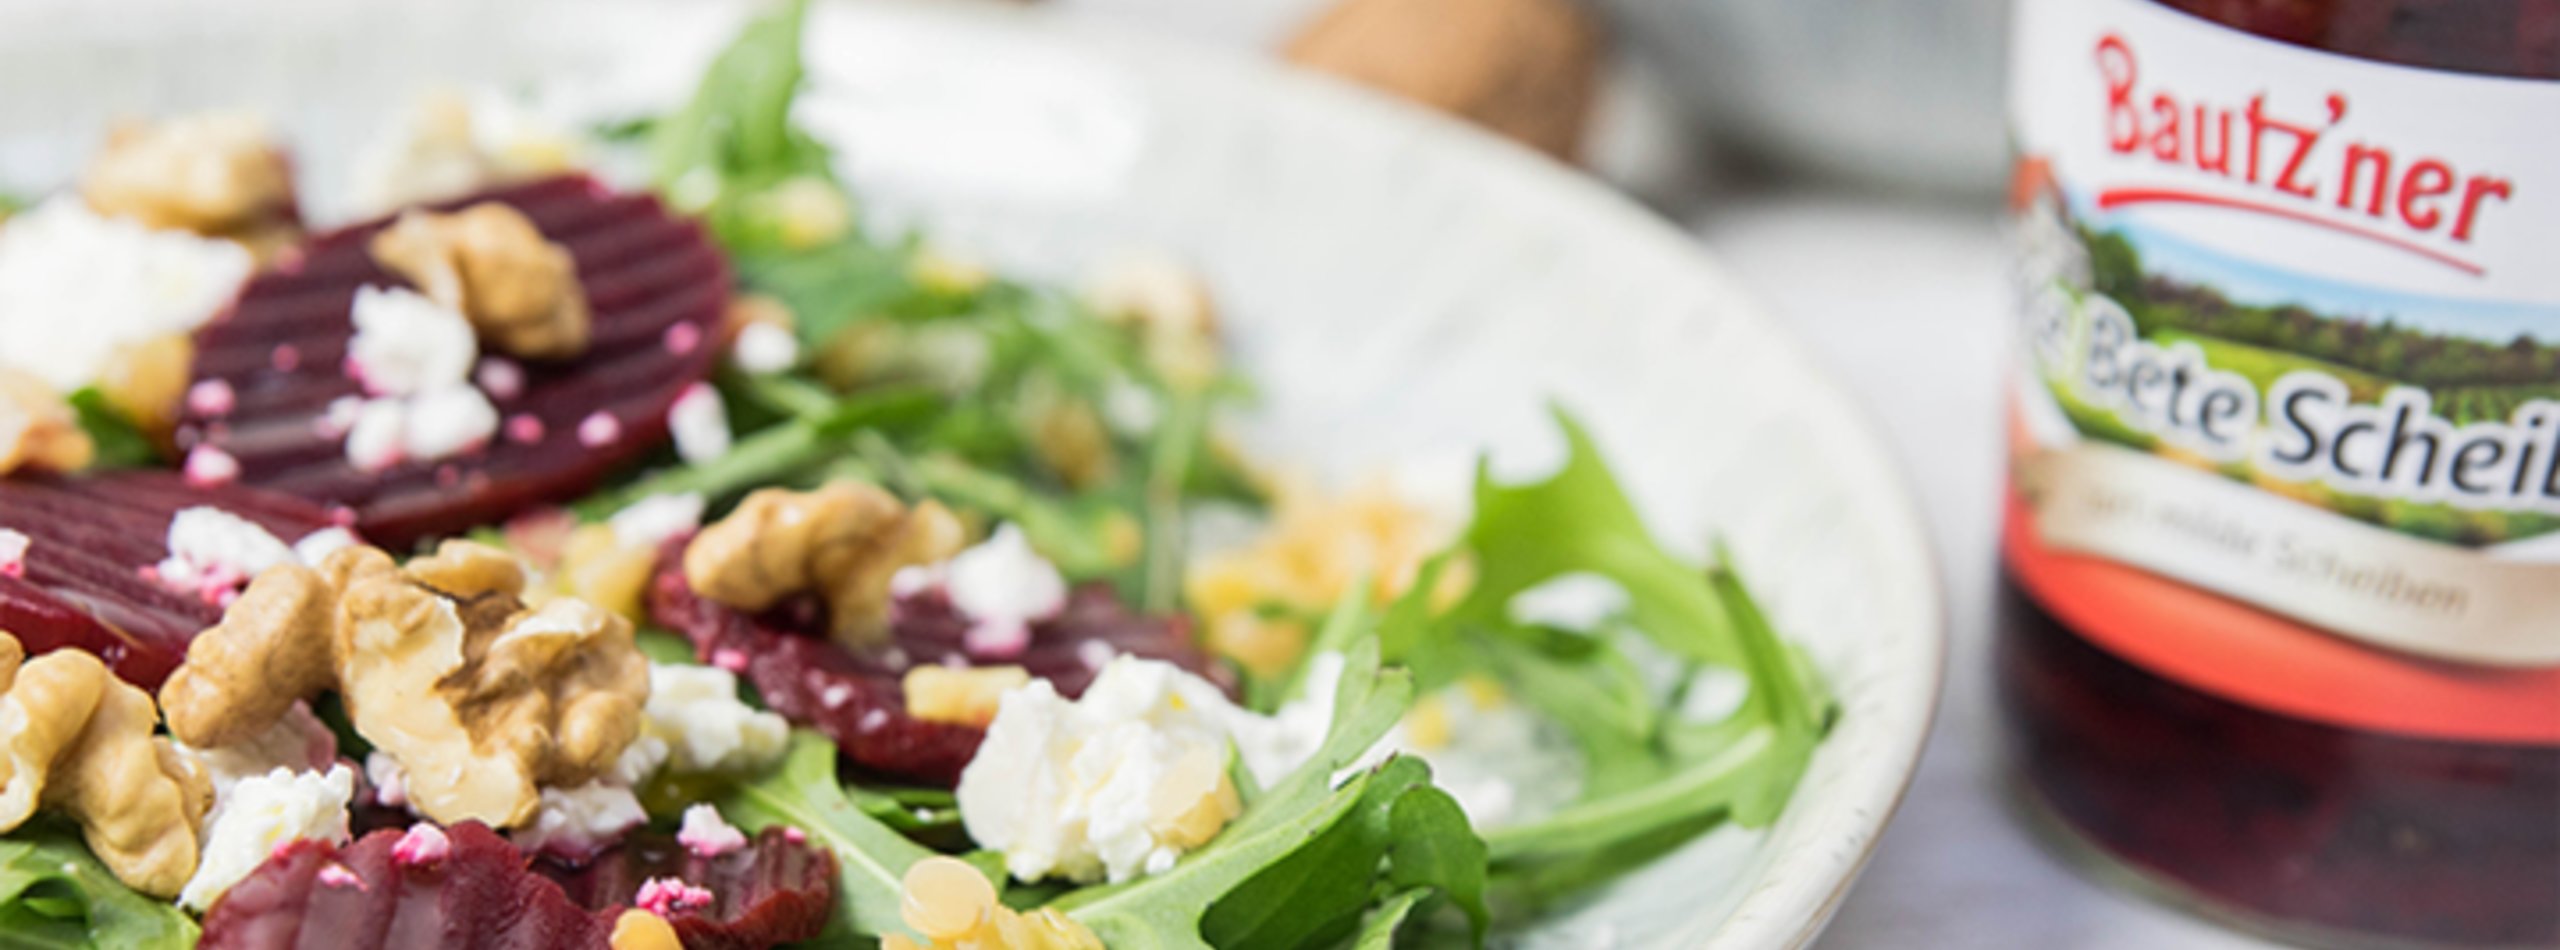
(919, 607)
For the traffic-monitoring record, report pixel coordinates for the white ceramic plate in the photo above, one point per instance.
(1408, 291)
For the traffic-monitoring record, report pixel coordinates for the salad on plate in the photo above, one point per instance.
(612, 542)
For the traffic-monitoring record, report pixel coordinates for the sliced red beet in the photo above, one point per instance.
(776, 890)
(656, 285)
(857, 699)
(83, 581)
(478, 895)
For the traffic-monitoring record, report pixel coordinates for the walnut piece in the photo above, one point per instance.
(520, 291)
(38, 430)
(441, 665)
(214, 174)
(843, 540)
(78, 742)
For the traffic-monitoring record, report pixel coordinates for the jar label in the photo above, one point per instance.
(2288, 421)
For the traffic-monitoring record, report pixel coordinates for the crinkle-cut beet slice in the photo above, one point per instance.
(479, 895)
(656, 285)
(857, 698)
(776, 890)
(83, 582)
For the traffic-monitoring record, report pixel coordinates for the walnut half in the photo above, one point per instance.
(843, 541)
(215, 174)
(76, 740)
(520, 291)
(479, 698)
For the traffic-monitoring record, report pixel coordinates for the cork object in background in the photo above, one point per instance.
(1526, 69)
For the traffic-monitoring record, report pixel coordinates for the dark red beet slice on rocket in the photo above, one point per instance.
(84, 580)
(375, 893)
(477, 891)
(775, 890)
(856, 698)
(657, 288)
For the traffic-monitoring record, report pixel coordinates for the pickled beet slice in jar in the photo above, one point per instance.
(657, 288)
(857, 698)
(87, 577)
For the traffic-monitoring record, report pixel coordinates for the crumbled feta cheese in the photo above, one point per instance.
(318, 545)
(448, 421)
(650, 521)
(406, 343)
(707, 835)
(578, 822)
(297, 742)
(375, 440)
(423, 843)
(213, 553)
(13, 552)
(700, 424)
(416, 357)
(642, 758)
(260, 813)
(599, 429)
(764, 348)
(695, 710)
(74, 287)
(1003, 586)
(1112, 786)
(389, 781)
(207, 466)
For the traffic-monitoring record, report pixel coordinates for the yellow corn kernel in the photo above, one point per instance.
(1484, 691)
(1204, 816)
(945, 899)
(146, 380)
(638, 929)
(598, 568)
(1264, 646)
(942, 272)
(964, 696)
(810, 211)
(1052, 930)
(1428, 724)
(1123, 539)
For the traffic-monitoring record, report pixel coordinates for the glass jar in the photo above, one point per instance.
(2280, 607)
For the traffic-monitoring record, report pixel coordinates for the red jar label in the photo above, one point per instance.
(2287, 426)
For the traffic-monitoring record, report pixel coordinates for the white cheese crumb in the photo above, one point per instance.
(706, 834)
(1088, 790)
(580, 821)
(13, 552)
(318, 545)
(297, 742)
(700, 424)
(1003, 586)
(376, 439)
(650, 521)
(764, 348)
(75, 286)
(212, 551)
(695, 710)
(261, 813)
(406, 344)
(390, 782)
(448, 421)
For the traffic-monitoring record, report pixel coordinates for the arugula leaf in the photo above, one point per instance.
(1315, 896)
(53, 893)
(1379, 931)
(871, 858)
(735, 140)
(1579, 521)
(121, 444)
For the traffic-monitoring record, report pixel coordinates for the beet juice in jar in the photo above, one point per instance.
(2281, 600)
